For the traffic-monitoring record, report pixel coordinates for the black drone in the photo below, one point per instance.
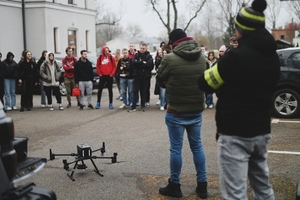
(84, 152)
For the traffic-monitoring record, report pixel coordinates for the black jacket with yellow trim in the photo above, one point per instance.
(244, 81)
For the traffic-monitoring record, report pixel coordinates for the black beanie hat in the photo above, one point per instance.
(251, 18)
(176, 34)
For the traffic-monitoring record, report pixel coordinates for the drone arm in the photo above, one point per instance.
(52, 155)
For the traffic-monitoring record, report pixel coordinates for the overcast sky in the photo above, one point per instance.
(135, 12)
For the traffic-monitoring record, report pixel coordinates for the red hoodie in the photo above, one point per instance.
(105, 65)
(68, 65)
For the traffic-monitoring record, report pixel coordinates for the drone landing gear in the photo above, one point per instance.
(84, 152)
(80, 166)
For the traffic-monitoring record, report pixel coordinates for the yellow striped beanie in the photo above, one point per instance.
(251, 18)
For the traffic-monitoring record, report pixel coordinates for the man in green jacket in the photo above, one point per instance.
(179, 72)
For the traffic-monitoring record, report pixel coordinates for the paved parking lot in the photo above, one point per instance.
(141, 141)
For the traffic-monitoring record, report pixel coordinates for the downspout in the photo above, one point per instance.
(24, 25)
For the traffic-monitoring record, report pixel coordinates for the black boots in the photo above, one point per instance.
(172, 190)
(201, 189)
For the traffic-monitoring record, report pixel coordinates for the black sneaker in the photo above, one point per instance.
(78, 103)
(91, 106)
(131, 110)
(81, 107)
(22, 109)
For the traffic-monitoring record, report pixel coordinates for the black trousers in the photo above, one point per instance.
(2, 90)
(140, 84)
(27, 93)
(108, 81)
(55, 90)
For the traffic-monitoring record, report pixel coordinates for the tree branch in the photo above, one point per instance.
(195, 15)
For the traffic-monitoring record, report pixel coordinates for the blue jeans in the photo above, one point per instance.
(162, 96)
(177, 124)
(10, 92)
(43, 94)
(240, 158)
(209, 99)
(126, 90)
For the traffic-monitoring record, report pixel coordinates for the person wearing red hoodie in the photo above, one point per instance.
(68, 63)
(106, 68)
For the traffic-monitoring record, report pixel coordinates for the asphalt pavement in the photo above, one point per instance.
(140, 139)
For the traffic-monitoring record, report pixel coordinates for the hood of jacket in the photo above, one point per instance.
(188, 50)
(47, 57)
(103, 50)
(9, 54)
(260, 40)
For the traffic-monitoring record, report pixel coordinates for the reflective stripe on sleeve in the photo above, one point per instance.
(213, 78)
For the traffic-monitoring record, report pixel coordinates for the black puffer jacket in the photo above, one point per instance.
(250, 74)
(9, 67)
(140, 68)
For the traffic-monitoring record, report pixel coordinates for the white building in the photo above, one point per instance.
(296, 39)
(50, 25)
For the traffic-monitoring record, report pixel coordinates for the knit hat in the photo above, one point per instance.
(251, 18)
(176, 34)
(222, 48)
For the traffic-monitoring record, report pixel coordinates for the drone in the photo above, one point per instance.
(84, 152)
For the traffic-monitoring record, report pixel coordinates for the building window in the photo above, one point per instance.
(72, 41)
(56, 40)
(70, 1)
(87, 40)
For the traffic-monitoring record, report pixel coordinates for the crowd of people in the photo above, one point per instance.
(243, 77)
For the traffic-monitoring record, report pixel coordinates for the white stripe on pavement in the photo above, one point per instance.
(275, 121)
(285, 152)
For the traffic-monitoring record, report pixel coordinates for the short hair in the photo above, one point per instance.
(124, 49)
(82, 51)
(67, 49)
(231, 39)
(144, 44)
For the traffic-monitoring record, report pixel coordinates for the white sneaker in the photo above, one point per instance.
(8, 108)
(43, 105)
(60, 107)
(211, 106)
(157, 103)
(162, 108)
(122, 106)
(50, 107)
(14, 108)
(147, 104)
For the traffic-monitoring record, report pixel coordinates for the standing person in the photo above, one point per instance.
(222, 51)
(106, 68)
(68, 63)
(233, 43)
(243, 120)
(142, 65)
(83, 74)
(1, 81)
(10, 68)
(39, 63)
(178, 72)
(118, 56)
(132, 50)
(126, 78)
(50, 72)
(203, 50)
(28, 77)
(158, 58)
(211, 60)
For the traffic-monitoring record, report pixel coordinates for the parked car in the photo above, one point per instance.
(286, 99)
(62, 87)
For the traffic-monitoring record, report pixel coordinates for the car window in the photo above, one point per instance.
(294, 61)
(281, 60)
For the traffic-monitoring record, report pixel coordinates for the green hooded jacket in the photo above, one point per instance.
(179, 72)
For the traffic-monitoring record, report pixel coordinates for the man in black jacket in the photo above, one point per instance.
(1, 80)
(142, 66)
(244, 81)
(83, 74)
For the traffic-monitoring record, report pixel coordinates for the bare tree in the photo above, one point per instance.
(230, 9)
(133, 31)
(294, 7)
(169, 15)
(273, 11)
(106, 16)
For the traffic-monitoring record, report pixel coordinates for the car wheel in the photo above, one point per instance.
(62, 89)
(286, 103)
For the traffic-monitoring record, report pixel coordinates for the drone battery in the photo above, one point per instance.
(84, 150)
(20, 145)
